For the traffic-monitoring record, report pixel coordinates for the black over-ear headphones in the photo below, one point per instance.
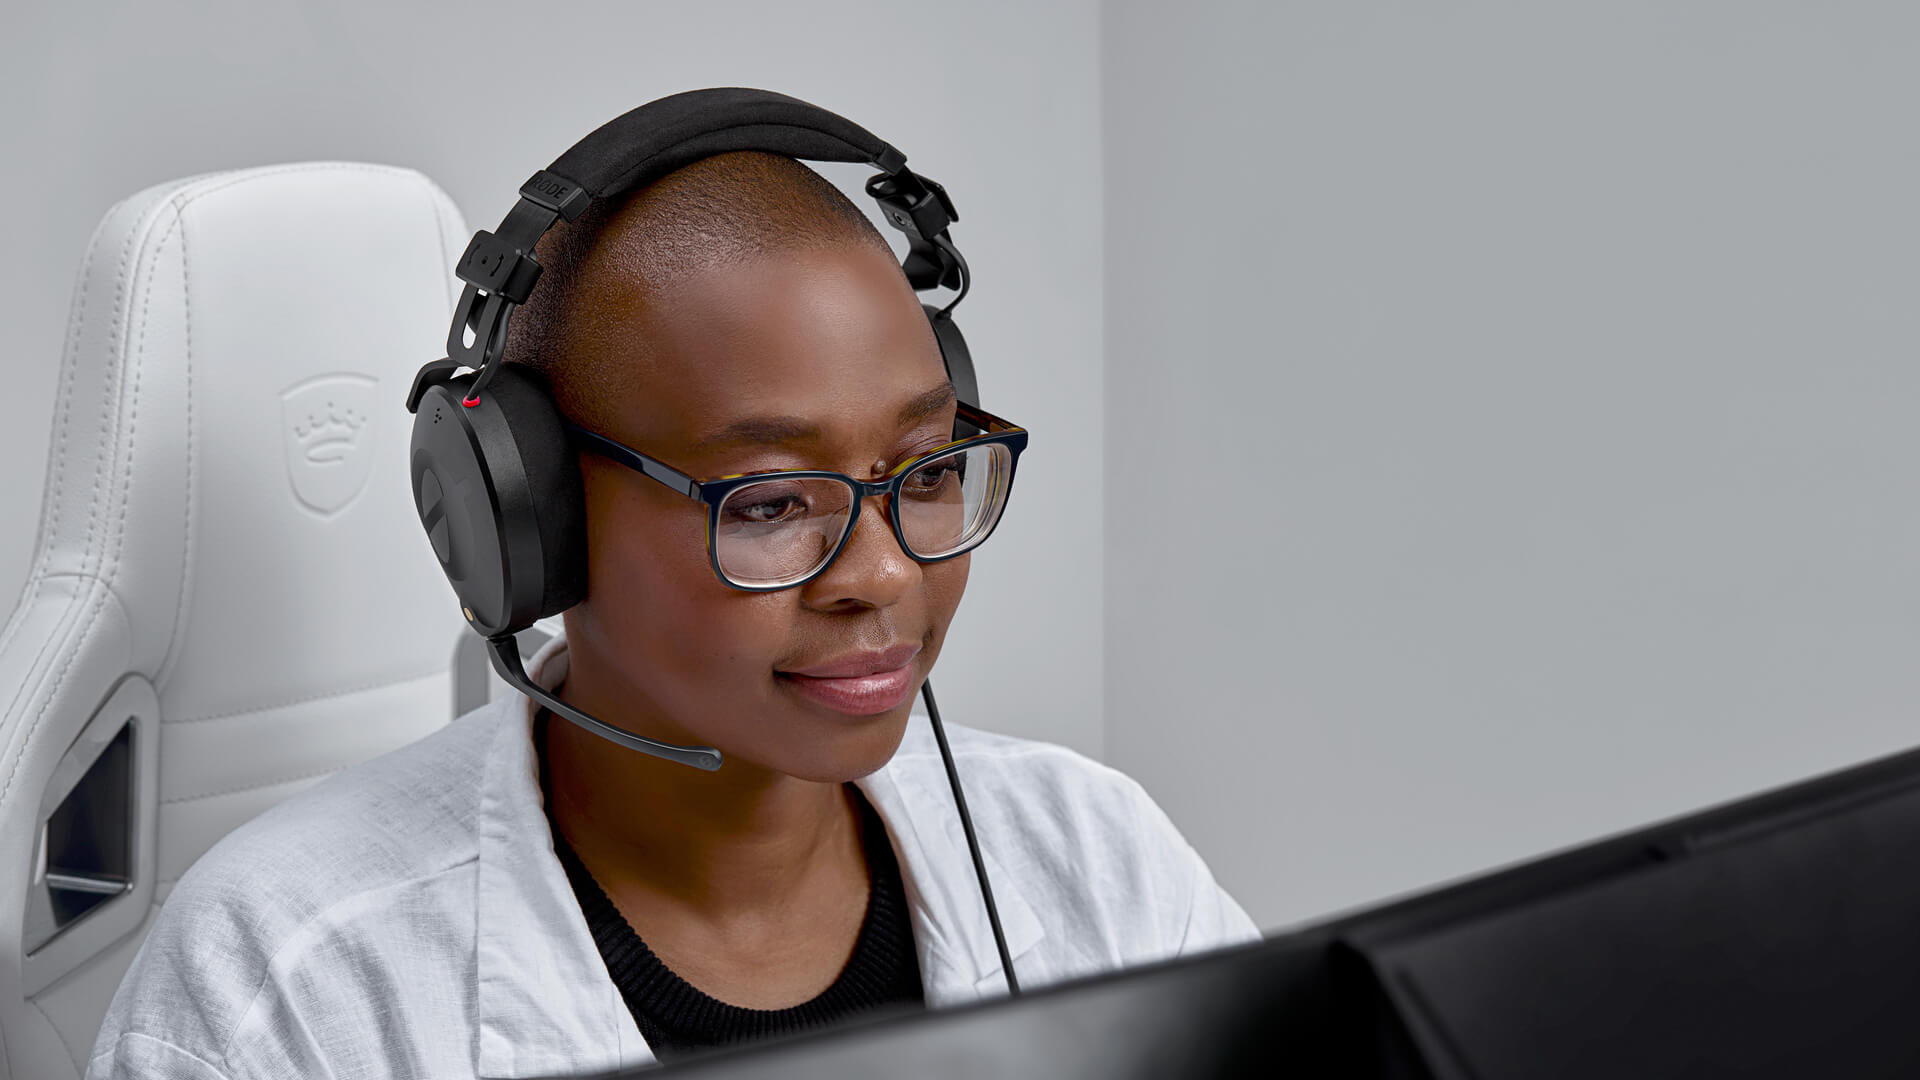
(495, 478)
(494, 475)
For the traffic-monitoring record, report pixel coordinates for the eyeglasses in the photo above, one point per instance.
(779, 529)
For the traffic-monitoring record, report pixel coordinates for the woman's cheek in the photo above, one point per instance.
(948, 584)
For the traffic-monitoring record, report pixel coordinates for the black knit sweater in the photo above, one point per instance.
(676, 1018)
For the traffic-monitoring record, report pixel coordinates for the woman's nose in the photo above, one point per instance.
(871, 570)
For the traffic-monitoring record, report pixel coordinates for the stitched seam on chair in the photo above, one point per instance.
(79, 1063)
(308, 775)
(133, 408)
(180, 602)
(440, 237)
(321, 696)
(116, 384)
(120, 525)
(188, 198)
(85, 621)
(60, 452)
(70, 363)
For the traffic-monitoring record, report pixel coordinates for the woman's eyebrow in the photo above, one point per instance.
(926, 404)
(779, 430)
(760, 430)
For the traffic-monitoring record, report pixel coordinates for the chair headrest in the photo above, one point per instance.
(230, 441)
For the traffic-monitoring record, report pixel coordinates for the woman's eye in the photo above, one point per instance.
(934, 477)
(767, 509)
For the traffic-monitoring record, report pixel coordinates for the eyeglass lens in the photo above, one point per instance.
(782, 530)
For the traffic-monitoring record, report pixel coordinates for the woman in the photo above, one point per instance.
(515, 897)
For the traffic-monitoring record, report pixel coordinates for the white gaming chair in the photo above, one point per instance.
(231, 596)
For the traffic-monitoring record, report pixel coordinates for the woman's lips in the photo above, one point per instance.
(858, 695)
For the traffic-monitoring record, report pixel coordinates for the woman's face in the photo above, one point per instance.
(817, 359)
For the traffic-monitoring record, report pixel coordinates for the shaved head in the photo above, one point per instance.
(606, 276)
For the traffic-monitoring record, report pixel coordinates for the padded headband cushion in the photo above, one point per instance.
(644, 144)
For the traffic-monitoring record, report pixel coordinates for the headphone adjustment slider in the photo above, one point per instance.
(496, 266)
(914, 204)
(921, 208)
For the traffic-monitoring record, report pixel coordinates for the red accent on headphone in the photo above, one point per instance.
(470, 402)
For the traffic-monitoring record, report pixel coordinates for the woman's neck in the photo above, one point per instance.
(729, 843)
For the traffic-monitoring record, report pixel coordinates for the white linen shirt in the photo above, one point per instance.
(408, 917)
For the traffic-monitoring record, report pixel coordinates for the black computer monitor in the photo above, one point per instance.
(1775, 937)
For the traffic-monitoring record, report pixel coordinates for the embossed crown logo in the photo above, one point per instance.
(328, 432)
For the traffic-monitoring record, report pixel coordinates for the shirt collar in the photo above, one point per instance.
(959, 961)
(545, 1004)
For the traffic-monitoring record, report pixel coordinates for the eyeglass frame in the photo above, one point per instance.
(714, 492)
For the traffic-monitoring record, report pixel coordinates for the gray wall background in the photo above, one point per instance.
(1459, 431)
(1536, 388)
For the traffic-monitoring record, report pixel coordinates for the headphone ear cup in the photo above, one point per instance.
(552, 470)
(959, 362)
(497, 488)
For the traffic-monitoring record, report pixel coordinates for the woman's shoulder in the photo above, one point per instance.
(1033, 774)
(1052, 803)
(401, 814)
(323, 872)
(1101, 864)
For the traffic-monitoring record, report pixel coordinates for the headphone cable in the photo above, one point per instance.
(973, 845)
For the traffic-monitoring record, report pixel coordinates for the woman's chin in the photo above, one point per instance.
(845, 753)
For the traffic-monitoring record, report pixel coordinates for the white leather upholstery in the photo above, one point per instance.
(226, 518)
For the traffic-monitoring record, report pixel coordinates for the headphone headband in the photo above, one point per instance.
(643, 144)
(648, 142)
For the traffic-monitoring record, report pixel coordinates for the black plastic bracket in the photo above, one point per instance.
(502, 264)
(432, 374)
(495, 266)
(486, 316)
(500, 271)
(915, 204)
(922, 209)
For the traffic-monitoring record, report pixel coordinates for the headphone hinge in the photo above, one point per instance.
(920, 208)
(433, 374)
(494, 266)
(914, 204)
(502, 264)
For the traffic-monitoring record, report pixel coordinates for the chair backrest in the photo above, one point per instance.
(230, 596)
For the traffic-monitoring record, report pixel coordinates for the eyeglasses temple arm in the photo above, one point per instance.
(651, 468)
(986, 422)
